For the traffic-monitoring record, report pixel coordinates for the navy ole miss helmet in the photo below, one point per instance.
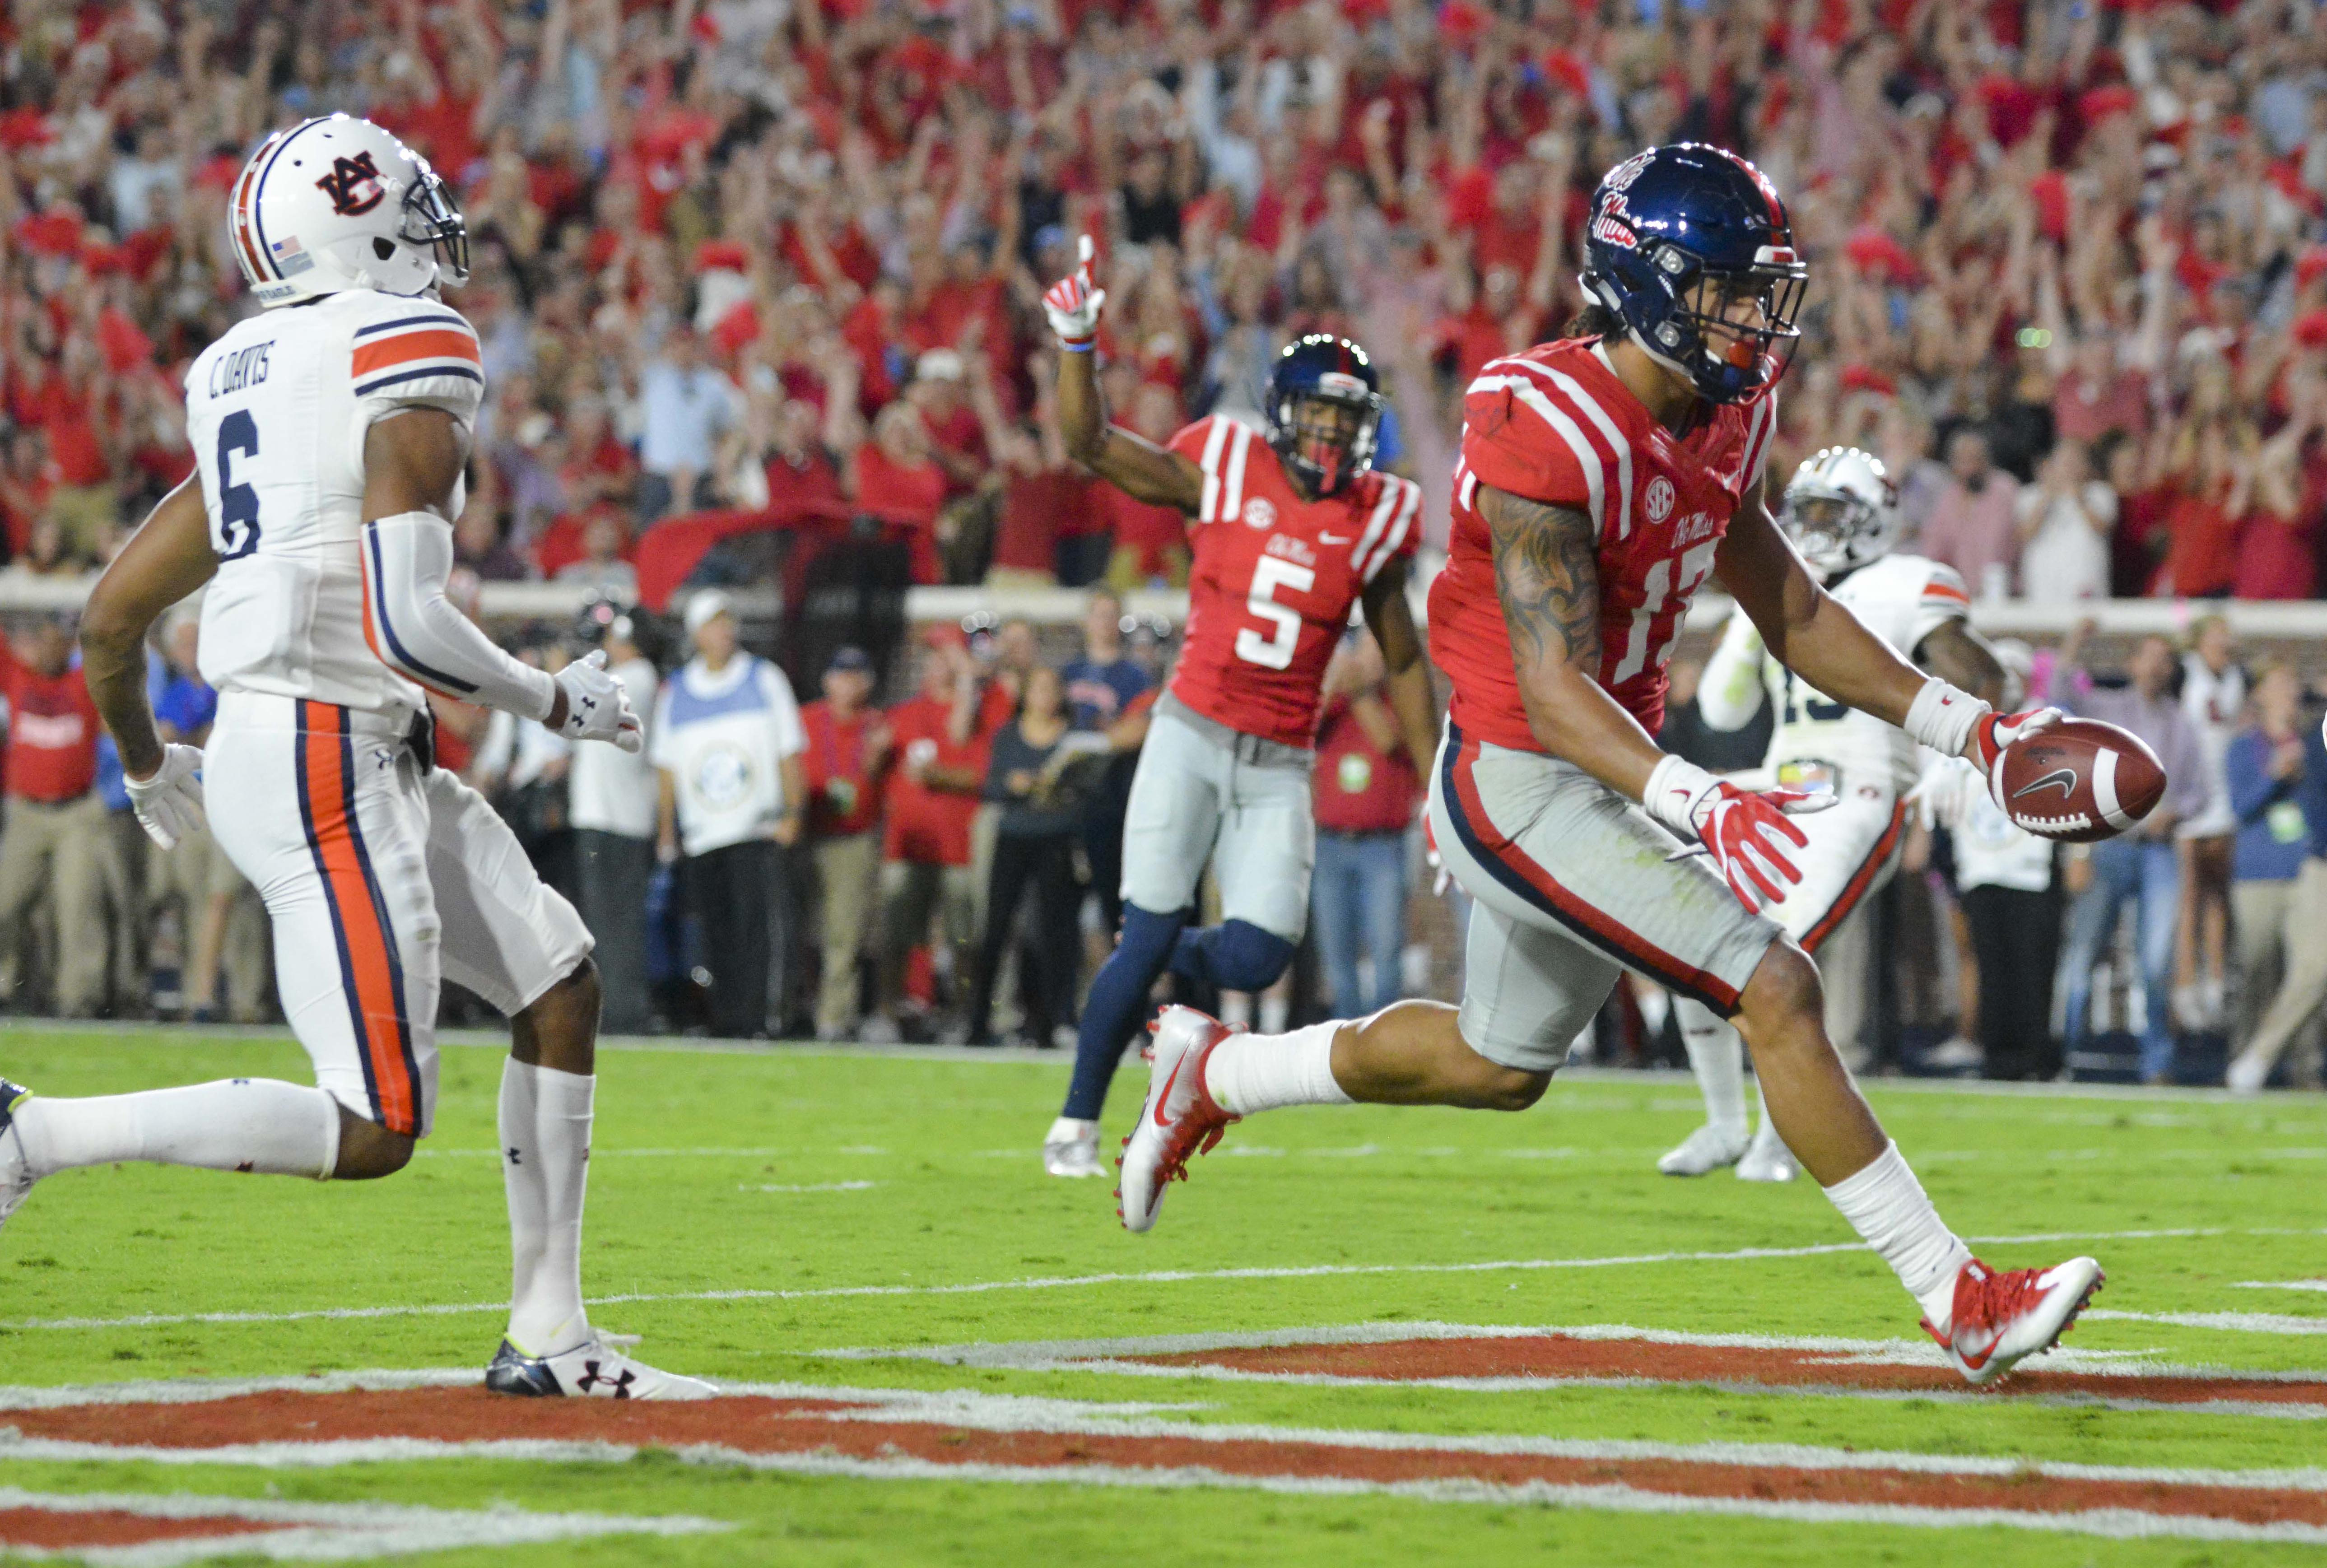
(1324, 411)
(1689, 247)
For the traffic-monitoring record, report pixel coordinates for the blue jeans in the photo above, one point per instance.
(1356, 903)
(2127, 868)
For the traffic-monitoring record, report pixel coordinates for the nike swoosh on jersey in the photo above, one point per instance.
(2065, 779)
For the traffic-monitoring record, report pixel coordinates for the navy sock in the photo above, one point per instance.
(1117, 1005)
(1233, 955)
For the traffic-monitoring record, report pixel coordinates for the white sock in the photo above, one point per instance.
(261, 1125)
(521, 1177)
(1718, 1057)
(1261, 1072)
(546, 1314)
(1276, 1011)
(1886, 1205)
(1070, 1130)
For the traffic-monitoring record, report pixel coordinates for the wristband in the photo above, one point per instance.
(1672, 791)
(1942, 716)
(1084, 347)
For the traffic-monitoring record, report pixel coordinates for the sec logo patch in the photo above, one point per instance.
(1659, 499)
(1260, 512)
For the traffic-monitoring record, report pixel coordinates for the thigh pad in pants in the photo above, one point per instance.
(1852, 852)
(1579, 885)
(508, 936)
(1192, 801)
(324, 810)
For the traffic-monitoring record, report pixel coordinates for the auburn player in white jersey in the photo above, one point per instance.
(1603, 479)
(331, 432)
(1841, 511)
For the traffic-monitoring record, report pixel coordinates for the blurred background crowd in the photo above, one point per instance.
(782, 257)
(756, 282)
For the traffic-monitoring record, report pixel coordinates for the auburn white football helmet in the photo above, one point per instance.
(1841, 511)
(336, 203)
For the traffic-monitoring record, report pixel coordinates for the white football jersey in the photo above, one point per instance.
(1902, 599)
(277, 410)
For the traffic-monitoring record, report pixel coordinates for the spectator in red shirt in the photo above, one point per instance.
(75, 413)
(899, 482)
(849, 751)
(1366, 788)
(26, 483)
(2278, 545)
(930, 802)
(2216, 472)
(57, 832)
(1151, 542)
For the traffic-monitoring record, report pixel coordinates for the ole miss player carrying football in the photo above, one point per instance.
(1603, 479)
(1287, 531)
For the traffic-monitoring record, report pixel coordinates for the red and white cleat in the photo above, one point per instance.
(2000, 1319)
(1178, 1118)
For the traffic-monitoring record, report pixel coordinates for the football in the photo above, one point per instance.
(2079, 781)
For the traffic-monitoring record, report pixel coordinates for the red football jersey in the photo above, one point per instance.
(1273, 577)
(1556, 424)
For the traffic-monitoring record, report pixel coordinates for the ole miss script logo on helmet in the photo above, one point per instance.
(353, 185)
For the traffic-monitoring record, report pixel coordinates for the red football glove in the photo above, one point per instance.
(1745, 831)
(1074, 305)
(1995, 731)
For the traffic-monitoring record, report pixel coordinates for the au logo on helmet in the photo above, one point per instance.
(353, 185)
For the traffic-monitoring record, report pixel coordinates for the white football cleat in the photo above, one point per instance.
(1767, 1158)
(1706, 1150)
(1072, 1148)
(597, 1369)
(2247, 1076)
(2002, 1318)
(16, 1170)
(1176, 1120)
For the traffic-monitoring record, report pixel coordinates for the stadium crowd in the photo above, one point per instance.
(757, 281)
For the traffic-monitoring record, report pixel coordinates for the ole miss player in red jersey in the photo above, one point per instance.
(1603, 477)
(1288, 530)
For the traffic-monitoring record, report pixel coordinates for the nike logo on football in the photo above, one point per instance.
(2064, 777)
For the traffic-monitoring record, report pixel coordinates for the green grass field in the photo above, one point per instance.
(752, 1211)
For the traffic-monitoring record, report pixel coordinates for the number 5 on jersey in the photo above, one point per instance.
(1274, 651)
(237, 530)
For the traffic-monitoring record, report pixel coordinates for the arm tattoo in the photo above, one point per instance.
(1548, 573)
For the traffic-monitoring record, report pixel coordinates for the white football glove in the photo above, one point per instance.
(1946, 792)
(169, 803)
(1073, 303)
(597, 708)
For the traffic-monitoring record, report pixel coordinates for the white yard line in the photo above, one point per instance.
(1076, 1282)
(1052, 1353)
(1652, 1078)
(808, 1187)
(2231, 1322)
(341, 1532)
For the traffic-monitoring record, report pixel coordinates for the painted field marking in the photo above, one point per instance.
(135, 1530)
(1073, 1281)
(2320, 1286)
(2230, 1322)
(808, 1187)
(1502, 1358)
(907, 1434)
